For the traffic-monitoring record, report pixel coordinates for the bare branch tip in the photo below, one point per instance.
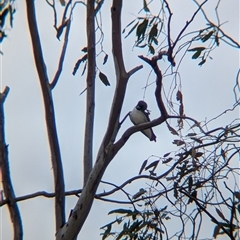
(135, 69)
(147, 60)
(5, 93)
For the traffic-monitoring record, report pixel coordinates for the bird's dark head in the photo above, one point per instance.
(141, 105)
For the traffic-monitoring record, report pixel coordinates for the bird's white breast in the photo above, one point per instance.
(137, 116)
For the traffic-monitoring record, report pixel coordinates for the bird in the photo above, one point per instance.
(139, 115)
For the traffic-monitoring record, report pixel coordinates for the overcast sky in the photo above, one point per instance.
(207, 92)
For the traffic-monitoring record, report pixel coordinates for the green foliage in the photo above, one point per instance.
(147, 30)
(137, 224)
(208, 35)
(197, 50)
(104, 79)
(105, 59)
(77, 64)
(141, 29)
(153, 32)
(191, 186)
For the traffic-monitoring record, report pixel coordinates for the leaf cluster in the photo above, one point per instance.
(192, 183)
(137, 225)
(208, 36)
(7, 11)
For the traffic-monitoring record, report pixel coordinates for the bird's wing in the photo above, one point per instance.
(152, 135)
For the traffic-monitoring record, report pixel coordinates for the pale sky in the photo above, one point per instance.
(207, 92)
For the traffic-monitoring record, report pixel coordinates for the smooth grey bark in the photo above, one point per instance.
(49, 116)
(79, 214)
(90, 102)
(6, 178)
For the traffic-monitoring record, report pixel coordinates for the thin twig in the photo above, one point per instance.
(188, 23)
(232, 42)
(203, 208)
(62, 56)
(124, 118)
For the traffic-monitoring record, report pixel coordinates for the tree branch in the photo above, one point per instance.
(90, 82)
(49, 115)
(62, 56)
(121, 74)
(6, 179)
(120, 189)
(70, 230)
(170, 45)
(121, 142)
(41, 194)
(52, 5)
(203, 208)
(232, 42)
(99, 5)
(135, 69)
(170, 48)
(4, 94)
(153, 63)
(187, 24)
